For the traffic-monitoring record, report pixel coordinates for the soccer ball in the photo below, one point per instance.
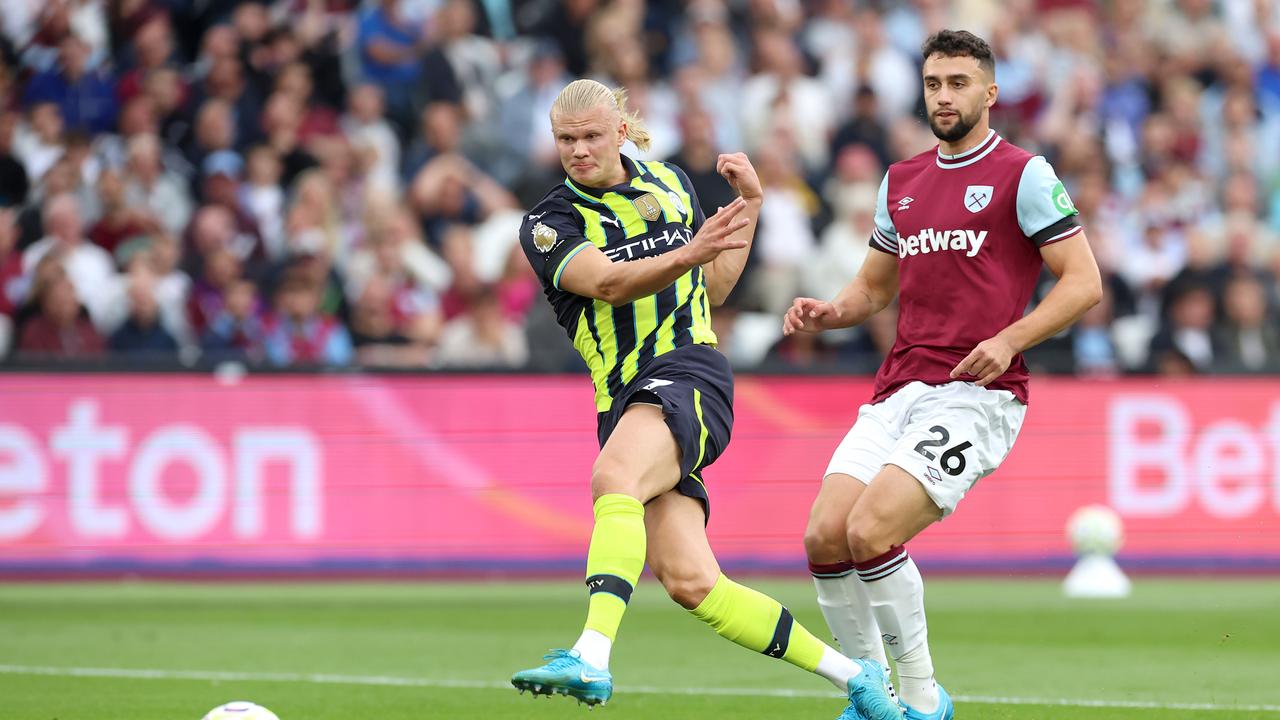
(240, 710)
(1095, 530)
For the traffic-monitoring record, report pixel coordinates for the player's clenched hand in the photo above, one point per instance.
(737, 169)
(987, 362)
(713, 237)
(808, 315)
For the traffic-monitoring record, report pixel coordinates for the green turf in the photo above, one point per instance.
(1174, 642)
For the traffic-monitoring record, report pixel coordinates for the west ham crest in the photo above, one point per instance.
(648, 207)
(977, 197)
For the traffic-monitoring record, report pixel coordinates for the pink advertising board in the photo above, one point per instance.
(455, 473)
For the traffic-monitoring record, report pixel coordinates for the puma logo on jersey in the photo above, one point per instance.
(611, 221)
(930, 240)
(655, 384)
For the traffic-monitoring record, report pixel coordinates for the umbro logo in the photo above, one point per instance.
(889, 639)
(934, 476)
(905, 203)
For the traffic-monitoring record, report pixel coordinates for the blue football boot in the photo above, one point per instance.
(946, 709)
(871, 697)
(566, 674)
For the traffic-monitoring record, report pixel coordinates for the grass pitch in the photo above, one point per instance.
(1006, 649)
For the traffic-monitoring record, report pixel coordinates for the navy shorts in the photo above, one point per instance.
(694, 386)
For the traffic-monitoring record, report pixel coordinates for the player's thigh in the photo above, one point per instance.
(641, 457)
(679, 554)
(854, 463)
(893, 509)
(955, 436)
(825, 536)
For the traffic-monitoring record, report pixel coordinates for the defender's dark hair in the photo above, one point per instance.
(960, 43)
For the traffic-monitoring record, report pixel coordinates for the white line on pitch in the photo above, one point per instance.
(333, 679)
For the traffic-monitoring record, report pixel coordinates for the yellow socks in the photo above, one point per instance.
(758, 622)
(614, 561)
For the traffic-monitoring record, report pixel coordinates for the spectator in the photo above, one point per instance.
(235, 331)
(88, 267)
(315, 119)
(13, 284)
(84, 94)
(780, 99)
(150, 187)
(142, 335)
(262, 197)
(1250, 340)
(14, 184)
(281, 122)
(220, 270)
(697, 157)
(1186, 333)
(61, 330)
(152, 48)
(390, 49)
(373, 137)
(380, 340)
(40, 143)
(784, 242)
(119, 220)
(299, 333)
(481, 337)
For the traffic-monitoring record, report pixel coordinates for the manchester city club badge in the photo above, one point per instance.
(544, 237)
(648, 207)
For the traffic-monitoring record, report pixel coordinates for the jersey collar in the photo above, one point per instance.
(970, 156)
(594, 194)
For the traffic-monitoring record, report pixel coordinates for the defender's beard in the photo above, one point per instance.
(961, 127)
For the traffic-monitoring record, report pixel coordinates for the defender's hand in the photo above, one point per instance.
(987, 362)
(809, 315)
(737, 169)
(713, 237)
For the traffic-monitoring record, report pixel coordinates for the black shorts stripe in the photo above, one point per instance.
(611, 584)
(781, 635)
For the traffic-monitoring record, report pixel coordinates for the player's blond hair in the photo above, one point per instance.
(581, 95)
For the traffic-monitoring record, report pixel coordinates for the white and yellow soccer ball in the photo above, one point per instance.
(240, 710)
(1095, 530)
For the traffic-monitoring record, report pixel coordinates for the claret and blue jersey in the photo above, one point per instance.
(656, 211)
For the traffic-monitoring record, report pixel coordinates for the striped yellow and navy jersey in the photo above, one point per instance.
(655, 212)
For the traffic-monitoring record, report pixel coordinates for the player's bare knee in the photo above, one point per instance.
(688, 587)
(865, 540)
(825, 541)
(608, 476)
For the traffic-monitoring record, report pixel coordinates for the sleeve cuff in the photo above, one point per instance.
(555, 280)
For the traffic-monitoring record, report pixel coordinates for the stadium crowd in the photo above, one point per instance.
(336, 182)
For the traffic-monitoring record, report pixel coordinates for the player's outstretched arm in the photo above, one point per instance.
(869, 293)
(1079, 288)
(591, 274)
(723, 272)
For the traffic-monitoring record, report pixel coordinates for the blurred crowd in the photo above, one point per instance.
(336, 183)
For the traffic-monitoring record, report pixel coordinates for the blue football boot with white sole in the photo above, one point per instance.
(871, 697)
(946, 709)
(567, 674)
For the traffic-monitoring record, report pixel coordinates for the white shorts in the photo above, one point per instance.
(946, 436)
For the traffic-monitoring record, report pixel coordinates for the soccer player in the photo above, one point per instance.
(960, 234)
(632, 267)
